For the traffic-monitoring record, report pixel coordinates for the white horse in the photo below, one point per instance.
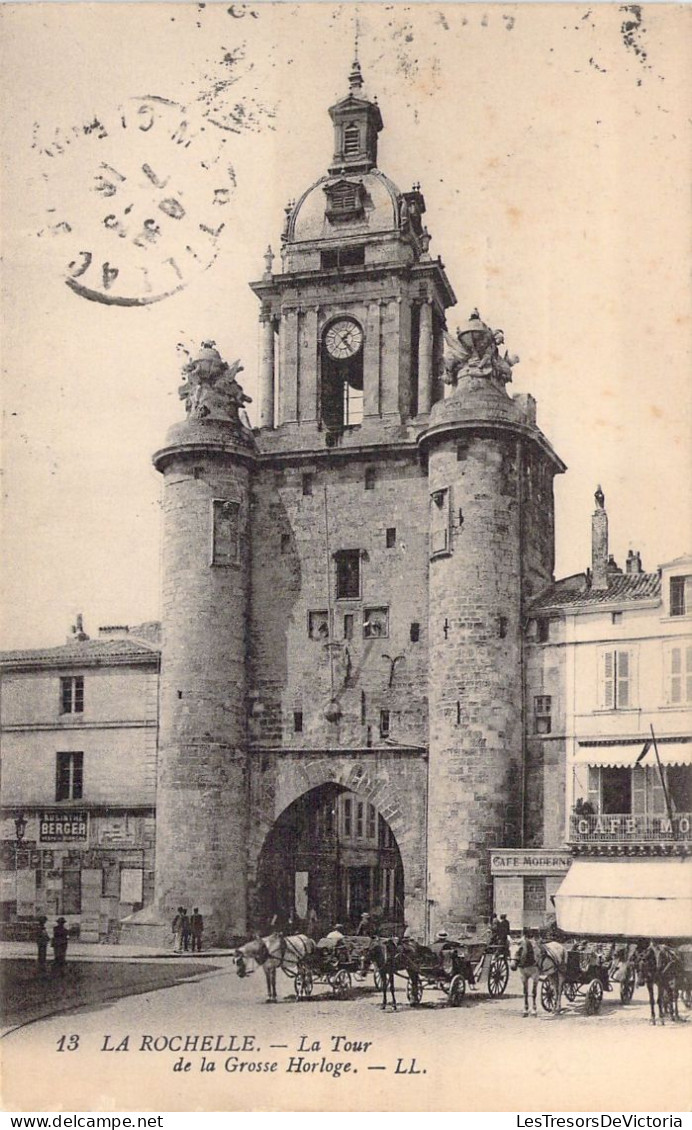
(272, 953)
(537, 961)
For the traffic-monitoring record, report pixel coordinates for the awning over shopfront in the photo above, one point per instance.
(635, 898)
(626, 756)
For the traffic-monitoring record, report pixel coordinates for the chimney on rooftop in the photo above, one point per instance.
(599, 543)
(634, 562)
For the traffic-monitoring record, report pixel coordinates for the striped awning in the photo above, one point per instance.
(626, 756)
(633, 898)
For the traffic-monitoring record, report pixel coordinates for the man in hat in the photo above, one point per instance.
(503, 933)
(196, 930)
(42, 940)
(59, 944)
(177, 928)
(336, 934)
(365, 927)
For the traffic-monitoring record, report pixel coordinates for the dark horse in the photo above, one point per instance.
(659, 968)
(390, 956)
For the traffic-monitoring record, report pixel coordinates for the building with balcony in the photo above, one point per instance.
(609, 740)
(78, 734)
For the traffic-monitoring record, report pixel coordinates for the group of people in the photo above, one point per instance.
(58, 943)
(187, 931)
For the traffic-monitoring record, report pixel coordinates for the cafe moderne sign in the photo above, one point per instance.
(63, 827)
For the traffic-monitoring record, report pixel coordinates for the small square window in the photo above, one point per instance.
(415, 632)
(370, 476)
(462, 451)
(616, 617)
(348, 574)
(318, 625)
(384, 723)
(307, 484)
(390, 537)
(348, 626)
(375, 623)
(285, 542)
(297, 721)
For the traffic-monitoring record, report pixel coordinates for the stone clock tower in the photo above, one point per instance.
(345, 587)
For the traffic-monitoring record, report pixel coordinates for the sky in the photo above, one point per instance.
(552, 146)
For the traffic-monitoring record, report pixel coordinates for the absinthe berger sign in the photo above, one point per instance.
(63, 827)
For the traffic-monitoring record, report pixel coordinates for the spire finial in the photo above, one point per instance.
(355, 79)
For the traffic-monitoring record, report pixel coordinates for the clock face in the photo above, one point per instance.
(343, 339)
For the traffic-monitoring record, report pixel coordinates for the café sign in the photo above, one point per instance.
(525, 862)
(63, 827)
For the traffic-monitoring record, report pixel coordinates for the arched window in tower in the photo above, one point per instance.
(351, 140)
(341, 391)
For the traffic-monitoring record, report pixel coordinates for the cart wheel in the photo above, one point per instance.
(378, 979)
(341, 982)
(627, 986)
(457, 990)
(594, 996)
(498, 975)
(687, 996)
(303, 982)
(414, 990)
(549, 993)
(570, 990)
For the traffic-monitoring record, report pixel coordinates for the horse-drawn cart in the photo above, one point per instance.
(585, 976)
(332, 963)
(452, 966)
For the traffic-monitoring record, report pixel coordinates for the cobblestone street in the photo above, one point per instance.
(483, 1055)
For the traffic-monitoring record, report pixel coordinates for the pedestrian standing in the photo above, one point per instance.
(185, 930)
(503, 930)
(196, 930)
(42, 940)
(59, 944)
(177, 928)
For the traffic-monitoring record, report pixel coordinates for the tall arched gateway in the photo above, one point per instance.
(332, 852)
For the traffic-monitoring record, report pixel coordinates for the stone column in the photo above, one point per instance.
(266, 381)
(371, 362)
(425, 358)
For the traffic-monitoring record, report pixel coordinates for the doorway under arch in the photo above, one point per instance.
(330, 857)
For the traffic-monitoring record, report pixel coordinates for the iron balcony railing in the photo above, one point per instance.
(626, 828)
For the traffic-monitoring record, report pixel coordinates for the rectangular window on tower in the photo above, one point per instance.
(439, 522)
(542, 711)
(347, 574)
(225, 530)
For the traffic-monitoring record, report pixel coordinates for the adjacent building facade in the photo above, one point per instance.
(78, 729)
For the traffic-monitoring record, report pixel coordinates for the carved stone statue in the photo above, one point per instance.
(210, 390)
(475, 353)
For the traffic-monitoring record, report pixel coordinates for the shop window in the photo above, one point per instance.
(347, 574)
(224, 550)
(439, 522)
(610, 790)
(131, 886)
(318, 625)
(679, 675)
(542, 709)
(69, 776)
(297, 721)
(72, 694)
(384, 723)
(390, 537)
(616, 684)
(679, 778)
(680, 595)
(375, 623)
(534, 893)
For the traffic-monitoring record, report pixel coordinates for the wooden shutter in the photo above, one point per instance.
(607, 680)
(622, 674)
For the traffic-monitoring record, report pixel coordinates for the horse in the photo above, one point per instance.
(658, 967)
(272, 953)
(535, 961)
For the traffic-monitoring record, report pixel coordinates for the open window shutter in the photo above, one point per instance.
(595, 788)
(638, 790)
(607, 680)
(688, 673)
(657, 797)
(674, 673)
(623, 667)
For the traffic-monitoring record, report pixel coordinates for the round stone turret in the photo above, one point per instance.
(490, 474)
(202, 816)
